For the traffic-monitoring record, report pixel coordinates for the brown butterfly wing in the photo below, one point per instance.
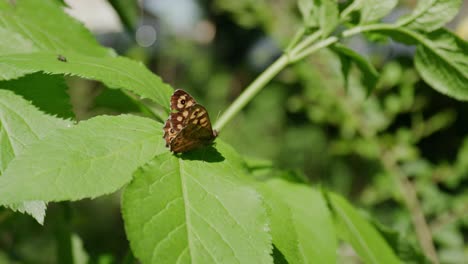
(197, 115)
(170, 132)
(181, 144)
(174, 124)
(196, 131)
(181, 100)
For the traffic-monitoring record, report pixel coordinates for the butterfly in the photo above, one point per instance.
(188, 126)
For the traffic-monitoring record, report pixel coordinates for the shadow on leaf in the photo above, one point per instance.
(208, 154)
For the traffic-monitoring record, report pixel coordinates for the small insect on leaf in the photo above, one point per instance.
(61, 58)
(188, 126)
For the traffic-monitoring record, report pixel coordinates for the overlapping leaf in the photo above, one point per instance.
(301, 225)
(347, 55)
(54, 35)
(16, 43)
(196, 209)
(373, 10)
(442, 61)
(430, 15)
(363, 237)
(328, 16)
(21, 124)
(322, 14)
(47, 92)
(115, 72)
(93, 158)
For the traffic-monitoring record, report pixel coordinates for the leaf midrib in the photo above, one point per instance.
(187, 215)
(416, 15)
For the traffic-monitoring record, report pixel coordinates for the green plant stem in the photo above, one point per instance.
(266, 76)
(313, 48)
(305, 42)
(251, 91)
(303, 48)
(410, 198)
(367, 28)
(353, 6)
(299, 34)
(63, 234)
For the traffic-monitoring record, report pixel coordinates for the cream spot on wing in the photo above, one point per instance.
(180, 105)
(179, 118)
(203, 120)
(195, 121)
(185, 113)
(179, 126)
(189, 103)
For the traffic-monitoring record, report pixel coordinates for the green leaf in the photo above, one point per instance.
(306, 8)
(301, 225)
(47, 92)
(115, 72)
(21, 124)
(369, 73)
(183, 209)
(60, 34)
(363, 237)
(328, 16)
(400, 244)
(373, 10)
(16, 43)
(319, 13)
(441, 58)
(442, 61)
(345, 63)
(93, 158)
(430, 15)
(36, 209)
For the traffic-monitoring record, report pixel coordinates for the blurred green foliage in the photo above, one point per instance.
(310, 121)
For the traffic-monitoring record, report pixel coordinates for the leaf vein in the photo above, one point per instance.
(217, 232)
(168, 236)
(225, 209)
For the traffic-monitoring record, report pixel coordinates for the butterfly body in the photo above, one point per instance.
(188, 126)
